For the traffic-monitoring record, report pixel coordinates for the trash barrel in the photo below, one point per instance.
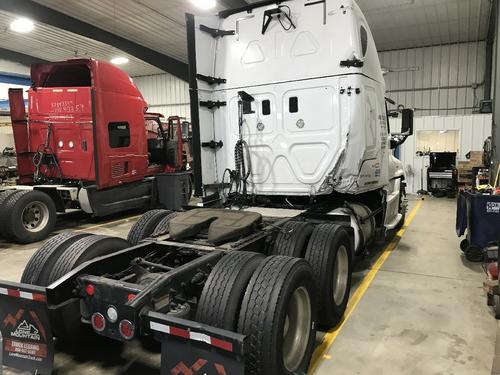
(482, 218)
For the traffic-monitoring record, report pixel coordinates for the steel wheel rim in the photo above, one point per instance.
(35, 216)
(340, 275)
(296, 329)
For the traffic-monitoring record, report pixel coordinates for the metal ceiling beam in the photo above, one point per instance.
(18, 57)
(232, 4)
(48, 16)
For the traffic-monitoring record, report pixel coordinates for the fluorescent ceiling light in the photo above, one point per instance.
(205, 4)
(119, 60)
(22, 25)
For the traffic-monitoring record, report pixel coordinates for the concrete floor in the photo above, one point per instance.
(424, 313)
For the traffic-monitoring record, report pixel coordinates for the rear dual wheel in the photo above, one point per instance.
(292, 239)
(146, 225)
(27, 216)
(278, 316)
(220, 300)
(329, 253)
(328, 249)
(59, 256)
(38, 269)
(270, 300)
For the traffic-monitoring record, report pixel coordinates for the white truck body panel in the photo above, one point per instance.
(338, 138)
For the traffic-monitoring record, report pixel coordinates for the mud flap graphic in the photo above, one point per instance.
(189, 348)
(24, 325)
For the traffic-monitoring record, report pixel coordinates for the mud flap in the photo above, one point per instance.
(27, 342)
(189, 348)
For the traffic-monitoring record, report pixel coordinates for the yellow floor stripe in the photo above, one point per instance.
(107, 223)
(321, 351)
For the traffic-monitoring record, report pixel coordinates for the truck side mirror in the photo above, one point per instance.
(407, 121)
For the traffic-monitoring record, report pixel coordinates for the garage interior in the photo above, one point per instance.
(418, 303)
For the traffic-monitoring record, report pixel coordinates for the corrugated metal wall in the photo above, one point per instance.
(165, 94)
(438, 80)
(474, 129)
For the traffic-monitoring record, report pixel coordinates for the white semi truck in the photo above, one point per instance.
(288, 111)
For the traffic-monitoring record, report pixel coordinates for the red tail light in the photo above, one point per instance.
(98, 322)
(126, 329)
(89, 289)
(130, 297)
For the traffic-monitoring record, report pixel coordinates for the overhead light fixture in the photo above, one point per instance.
(205, 4)
(119, 60)
(22, 25)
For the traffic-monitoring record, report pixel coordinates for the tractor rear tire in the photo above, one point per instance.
(330, 253)
(28, 216)
(163, 226)
(223, 292)
(69, 329)
(278, 316)
(292, 239)
(5, 194)
(82, 250)
(146, 225)
(38, 269)
(3, 197)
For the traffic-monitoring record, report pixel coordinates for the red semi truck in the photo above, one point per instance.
(86, 142)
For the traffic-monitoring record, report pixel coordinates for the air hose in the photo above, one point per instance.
(243, 169)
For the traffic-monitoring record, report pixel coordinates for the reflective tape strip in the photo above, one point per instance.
(159, 327)
(190, 335)
(25, 295)
(179, 332)
(200, 337)
(21, 294)
(221, 344)
(14, 293)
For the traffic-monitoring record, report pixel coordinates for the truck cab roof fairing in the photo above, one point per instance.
(101, 75)
(315, 49)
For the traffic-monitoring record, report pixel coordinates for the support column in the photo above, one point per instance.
(496, 91)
